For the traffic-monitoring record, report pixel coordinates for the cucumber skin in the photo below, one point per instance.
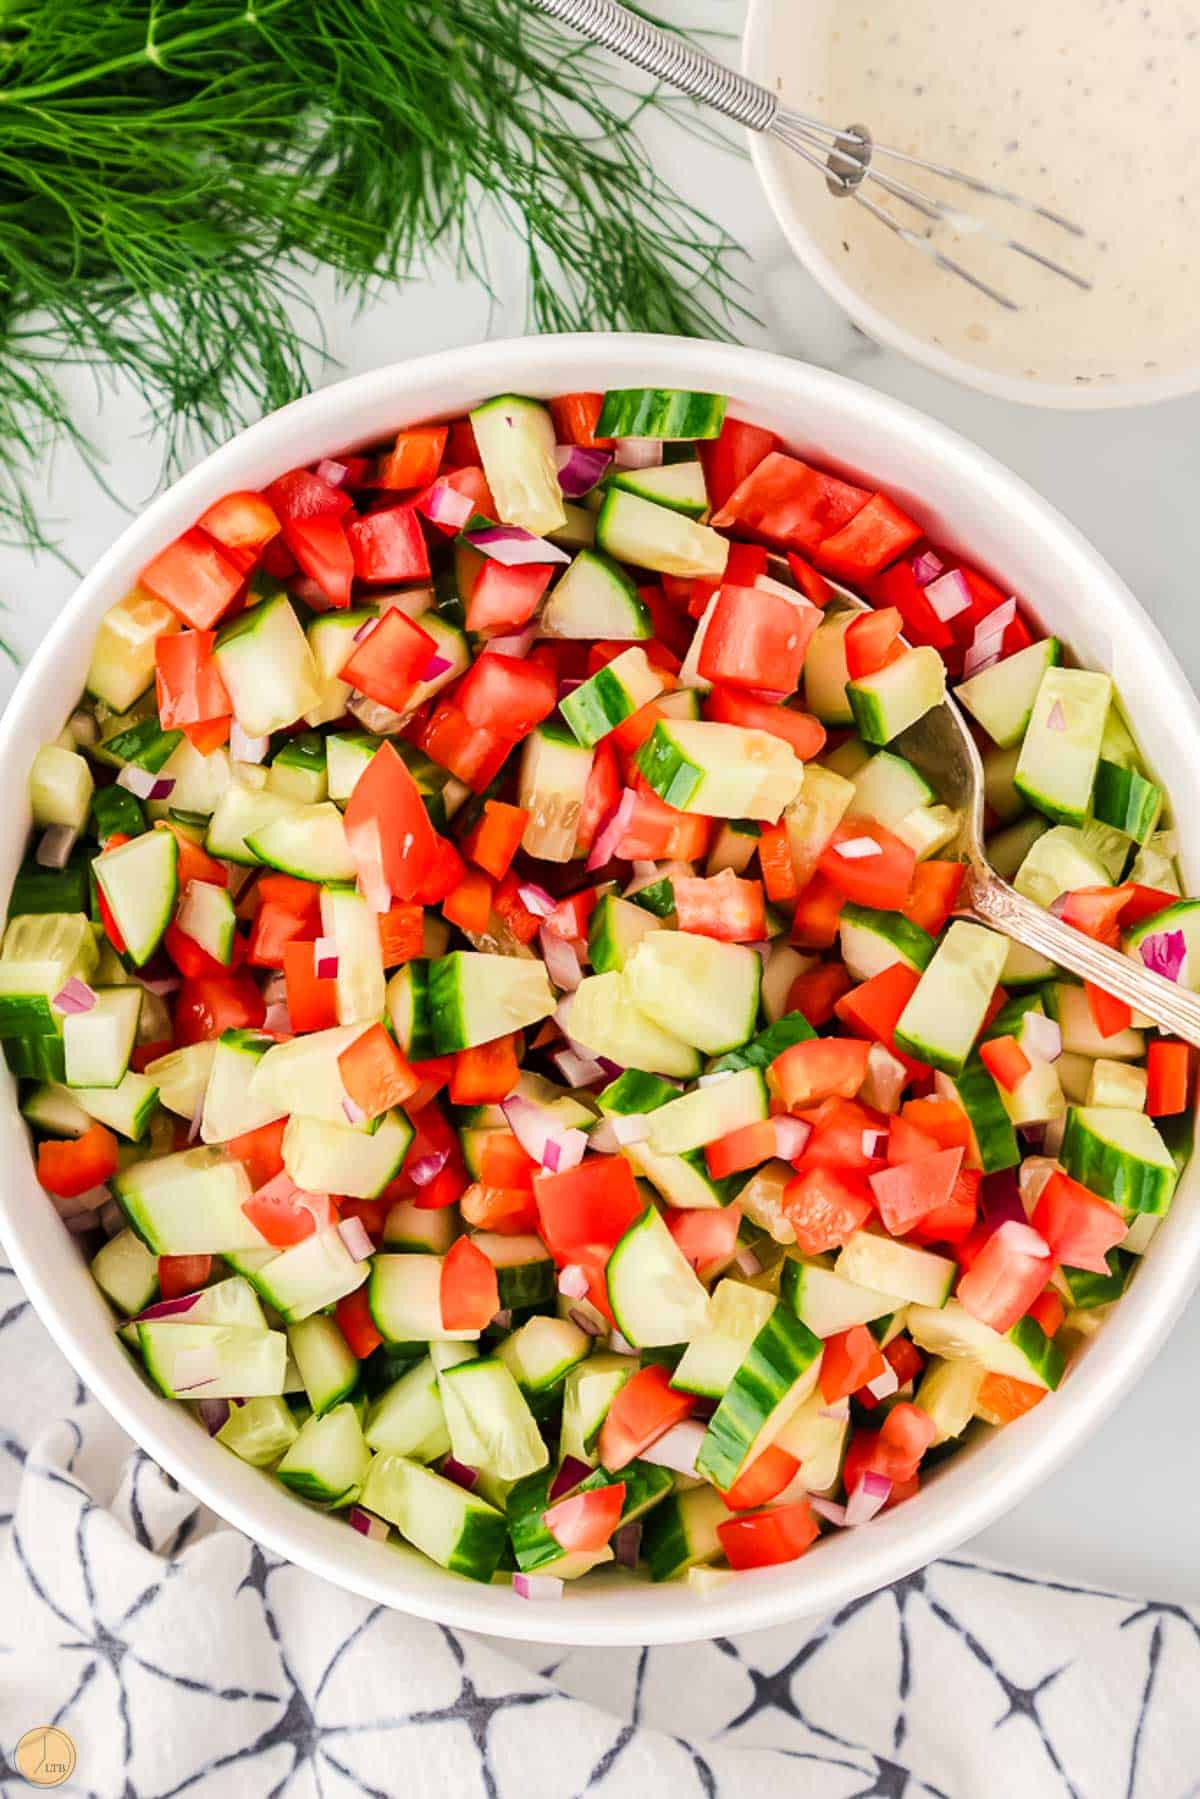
(596, 707)
(1039, 1350)
(780, 1353)
(913, 943)
(661, 412)
(668, 771)
(534, 1546)
(667, 1541)
(994, 1132)
(1123, 798)
(658, 898)
(762, 1050)
(1132, 1185)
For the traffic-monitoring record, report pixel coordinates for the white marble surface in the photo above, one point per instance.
(1122, 1512)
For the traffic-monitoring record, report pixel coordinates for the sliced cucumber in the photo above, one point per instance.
(736, 1313)
(331, 637)
(595, 599)
(1024, 1353)
(126, 1108)
(503, 1432)
(615, 692)
(655, 1296)
(1068, 1005)
(775, 1377)
(887, 1266)
(51, 1109)
(333, 1158)
(681, 1533)
(328, 1462)
(299, 770)
(259, 1431)
(240, 813)
(268, 668)
(872, 941)
(232, 1106)
(126, 1272)
(828, 1302)
(405, 1300)
(663, 412)
(451, 1526)
(1127, 801)
(409, 1226)
(302, 1076)
(407, 1418)
(677, 485)
(615, 929)
(212, 1361)
(818, 1442)
(734, 846)
(994, 1143)
(887, 703)
(188, 1204)
(943, 1018)
(140, 882)
(948, 1393)
(361, 981)
(588, 1391)
(637, 531)
(60, 787)
(1121, 1156)
(123, 657)
(1118, 1084)
(475, 998)
(1184, 917)
(604, 1017)
(825, 672)
(206, 915)
(886, 787)
(702, 991)
(814, 815)
(306, 841)
(97, 1044)
(551, 787)
(707, 1113)
(408, 1010)
(542, 1352)
(1002, 697)
(1058, 758)
(312, 1274)
(328, 1367)
(726, 771)
(515, 437)
(525, 1273)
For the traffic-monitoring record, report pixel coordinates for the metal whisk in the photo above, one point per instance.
(845, 155)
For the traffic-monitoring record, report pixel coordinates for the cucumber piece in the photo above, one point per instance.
(515, 437)
(1008, 849)
(60, 788)
(240, 813)
(551, 786)
(704, 992)
(817, 1441)
(1061, 749)
(944, 1016)
(126, 1273)
(1121, 1156)
(653, 1291)
(1127, 801)
(452, 1527)
(1024, 1353)
(405, 1299)
(888, 702)
(948, 1393)
(51, 889)
(408, 1010)
(736, 1313)
(994, 1143)
(1085, 1291)
(1001, 698)
(232, 1105)
(726, 771)
(1038, 1097)
(1154, 864)
(734, 847)
(502, 1431)
(347, 754)
(762, 1050)
(828, 1302)
(1184, 917)
(199, 781)
(782, 968)
(662, 412)
(525, 1273)
(141, 741)
(775, 1377)
(579, 532)
(682, 1180)
(588, 1390)
(637, 531)
(812, 817)
(1067, 1004)
(298, 771)
(676, 485)
(657, 897)
(328, 1462)
(475, 998)
(1116, 1084)
(1024, 967)
(181, 1076)
(887, 788)
(361, 981)
(52, 1110)
(139, 880)
(408, 1226)
(266, 663)
(302, 1076)
(123, 660)
(333, 1158)
(615, 929)
(126, 1108)
(212, 1361)
(999, 767)
(595, 599)
(929, 829)
(535, 1547)
(312, 1274)
(542, 1352)
(207, 916)
(707, 1113)
(188, 1204)
(331, 638)
(604, 1017)
(231, 1301)
(306, 841)
(259, 1431)
(408, 1418)
(681, 1533)
(825, 672)
(328, 1368)
(97, 1044)
(614, 693)
(872, 941)
(914, 1275)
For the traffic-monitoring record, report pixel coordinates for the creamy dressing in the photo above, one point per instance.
(1091, 107)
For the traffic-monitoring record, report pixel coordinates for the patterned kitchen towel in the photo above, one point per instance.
(182, 1659)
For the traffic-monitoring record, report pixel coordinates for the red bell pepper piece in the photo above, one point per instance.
(311, 999)
(75, 1165)
(898, 586)
(755, 638)
(241, 522)
(474, 753)
(354, 1320)
(495, 838)
(207, 1005)
(733, 455)
(908, 1191)
(388, 831)
(193, 578)
(815, 993)
(389, 663)
(511, 1211)
(470, 905)
(825, 1209)
(468, 1291)
(852, 1358)
(575, 419)
(820, 1068)
(740, 1149)
(818, 914)
(767, 1539)
(1166, 1077)
(486, 1074)
(502, 689)
(587, 1208)
(300, 494)
(374, 1073)
(875, 536)
(764, 1479)
(1001, 1398)
(933, 894)
(707, 1236)
(322, 550)
(882, 881)
(644, 1409)
(388, 546)
(401, 933)
(188, 682)
(872, 641)
(1005, 1061)
(260, 1151)
(414, 458)
(506, 598)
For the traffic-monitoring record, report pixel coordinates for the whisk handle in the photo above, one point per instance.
(667, 58)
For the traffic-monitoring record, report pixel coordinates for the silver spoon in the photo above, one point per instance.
(940, 747)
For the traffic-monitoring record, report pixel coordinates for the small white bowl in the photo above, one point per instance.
(796, 194)
(968, 501)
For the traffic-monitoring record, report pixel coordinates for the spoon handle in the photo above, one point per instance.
(1170, 1006)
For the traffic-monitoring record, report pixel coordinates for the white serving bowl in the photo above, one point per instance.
(968, 501)
(786, 33)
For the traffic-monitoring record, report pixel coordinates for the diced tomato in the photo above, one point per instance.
(241, 521)
(374, 1073)
(210, 1004)
(1048, 1311)
(1144, 902)
(260, 1151)
(470, 905)
(504, 1163)
(497, 688)
(805, 734)
(851, 1359)
(877, 534)
(193, 578)
(740, 1149)
(583, 1522)
(757, 639)
(569, 918)
(1006, 1276)
(722, 906)
(354, 1320)
(486, 1074)
(1167, 1078)
(311, 1000)
(815, 993)
(790, 504)
(706, 1236)
(908, 1191)
(191, 959)
(388, 545)
(775, 863)
(881, 881)
(300, 494)
(658, 831)
(907, 1143)
(286, 1215)
(812, 585)
(764, 1479)
(873, 1008)
(1079, 1227)
(473, 753)
(388, 832)
(767, 1539)
(818, 914)
(825, 1209)
(273, 929)
(188, 682)
(733, 455)
(933, 894)
(819, 1068)
(389, 663)
(575, 419)
(904, 1436)
(277, 560)
(1096, 911)
(872, 641)
(506, 598)
(940, 1119)
(847, 1137)
(600, 796)
(898, 586)
(321, 547)
(956, 1220)
(1109, 1014)
(401, 934)
(75, 1165)
(182, 1274)
(142, 1054)
(589, 1207)
(643, 1410)
(509, 1210)
(414, 458)
(1001, 1398)
(209, 735)
(1005, 1061)
(904, 1359)
(468, 1292)
(495, 838)
(442, 875)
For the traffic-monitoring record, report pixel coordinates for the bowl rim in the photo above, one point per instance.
(769, 158)
(971, 1490)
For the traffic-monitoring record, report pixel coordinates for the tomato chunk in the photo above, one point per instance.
(643, 1410)
(469, 1292)
(766, 1539)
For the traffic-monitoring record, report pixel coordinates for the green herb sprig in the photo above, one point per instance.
(169, 169)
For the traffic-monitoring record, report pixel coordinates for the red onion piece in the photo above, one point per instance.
(949, 595)
(367, 1524)
(638, 452)
(561, 959)
(1056, 718)
(363, 631)
(535, 899)
(829, 1509)
(354, 1112)
(874, 1143)
(437, 665)
(1164, 953)
(840, 1413)
(568, 1477)
(427, 1168)
(1032, 1176)
(459, 1473)
(214, 1415)
(1022, 1239)
(746, 1262)
(197, 1116)
(573, 1281)
(73, 997)
(858, 849)
(619, 1344)
(869, 1496)
(627, 1544)
(160, 986)
(577, 1070)
(615, 826)
(585, 1322)
(145, 785)
(325, 959)
(112, 1218)
(1043, 1036)
(677, 1448)
(55, 845)
(277, 1020)
(885, 1384)
(537, 1586)
(444, 505)
(616, 1129)
(247, 749)
(926, 568)
(791, 1136)
(514, 547)
(579, 468)
(540, 1134)
(332, 473)
(517, 645)
(168, 1308)
(194, 1368)
(353, 1233)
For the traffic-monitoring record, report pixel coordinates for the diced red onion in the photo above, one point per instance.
(160, 986)
(1032, 1176)
(444, 505)
(194, 1368)
(427, 1168)
(352, 1109)
(214, 1415)
(573, 1281)
(791, 1136)
(586, 1323)
(83, 729)
(829, 1509)
(513, 547)
(541, 1136)
(885, 1384)
(517, 644)
(112, 1218)
(332, 473)
(611, 833)
(1056, 718)
(535, 899)
(244, 748)
(363, 631)
(858, 849)
(926, 568)
(353, 1233)
(197, 1115)
(677, 1448)
(840, 1413)
(996, 622)
(617, 1129)
(277, 1020)
(627, 1544)
(562, 1153)
(1052, 1138)
(948, 594)
(73, 997)
(568, 1477)
(981, 655)
(1022, 1239)
(874, 1144)
(325, 959)
(746, 1262)
(55, 845)
(367, 1524)
(562, 962)
(1043, 1036)
(620, 1345)
(1058, 905)
(886, 1080)
(638, 452)
(869, 1496)
(168, 1308)
(145, 785)
(577, 1070)
(537, 1586)
(1164, 953)
(274, 988)
(579, 468)
(644, 874)
(436, 665)
(460, 1473)
(715, 1079)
